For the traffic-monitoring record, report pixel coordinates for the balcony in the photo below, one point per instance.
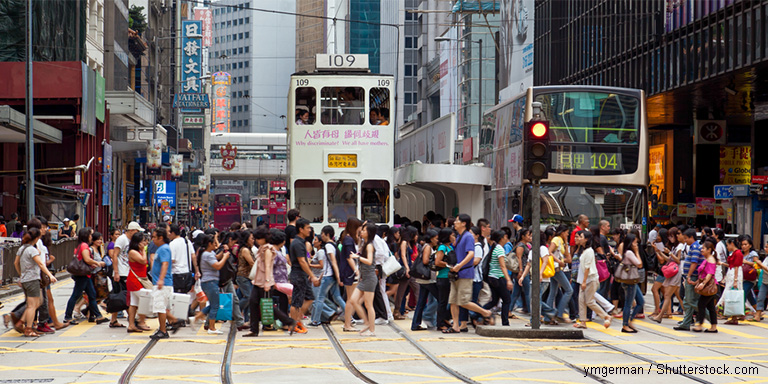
(131, 119)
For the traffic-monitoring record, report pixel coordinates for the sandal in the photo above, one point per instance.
(368, 334)
(353, 329)
(133, 330)
(30, 332)
(732, 322)
(580, 325)
(450, 330)
(512, 316)
(116, 324)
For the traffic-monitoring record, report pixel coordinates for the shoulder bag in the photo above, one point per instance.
(420, 270)
(391, 265)
(549, 269)
(749, 272)
(670, 269)
(708, 289)
(183, 282)
(78, 266)
(513, 266)
(144, 281)
(626, 273)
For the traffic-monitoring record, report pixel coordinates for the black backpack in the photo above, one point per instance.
(486, 262)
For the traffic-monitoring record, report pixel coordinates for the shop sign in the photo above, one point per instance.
(709, 132)
(466, 150)
(193, 120)
(686, 210)
(106, 174)
(661, 211)
(154, 157)
(735, 165)
(228, 155)
(759, 179)
(719, 211)
(705, 206)
(656, 166)
(177, 167)
(191, 58)
(202, 182)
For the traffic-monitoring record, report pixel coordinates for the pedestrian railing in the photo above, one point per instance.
(63, 250)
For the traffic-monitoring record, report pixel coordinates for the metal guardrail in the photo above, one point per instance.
(63, 250)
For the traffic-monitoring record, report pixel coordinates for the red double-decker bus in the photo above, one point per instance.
(278, 204)
(227, 210)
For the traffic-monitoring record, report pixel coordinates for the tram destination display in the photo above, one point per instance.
(587, 161)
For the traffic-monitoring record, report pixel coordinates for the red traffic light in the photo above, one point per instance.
(539, 130)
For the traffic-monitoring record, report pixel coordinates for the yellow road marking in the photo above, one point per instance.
(608, 331)
(659, 328)
(730, 331)
(754, 323)
(77, 330)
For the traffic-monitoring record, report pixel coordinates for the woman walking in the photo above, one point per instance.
(84, 284)
(446, 238)
(558, 248)
(631, 293)
(706, 302)
(244, 263)
(29, 264)
(499, 279)
(209, 279)
(588, 279)
(750, 255)
(671, 285)
(368, 281)
(137, 263)
(348, 268)
(521, 279)
(427, 286)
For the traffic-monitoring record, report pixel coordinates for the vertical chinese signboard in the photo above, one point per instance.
(735, 165)
(191, 58)
(206, 17)
(221, 100)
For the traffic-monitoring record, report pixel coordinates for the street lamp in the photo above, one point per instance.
(480, 78)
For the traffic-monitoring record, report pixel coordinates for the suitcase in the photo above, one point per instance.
(180, 305)
(145, 302)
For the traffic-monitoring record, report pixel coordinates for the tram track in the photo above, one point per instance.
(229, 350)
(125, 378)
(344, 357)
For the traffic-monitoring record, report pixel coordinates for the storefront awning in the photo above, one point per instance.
(13, 128)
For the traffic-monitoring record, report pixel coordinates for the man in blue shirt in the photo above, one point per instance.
(461, 288)
(161, 275)
(692, 260)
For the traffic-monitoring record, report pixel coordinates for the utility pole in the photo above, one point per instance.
(480, 91)
(29, 117)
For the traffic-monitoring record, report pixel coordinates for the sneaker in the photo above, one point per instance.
(315, 324)
(44, 328)
(380, 321)
(681, 328)
(215, 332)
(159, 335)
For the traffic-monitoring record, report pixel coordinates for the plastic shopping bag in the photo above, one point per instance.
(225, 307)
(199, 294)
(733, 303)
(267, 310)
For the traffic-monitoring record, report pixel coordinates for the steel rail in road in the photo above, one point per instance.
(125, 378)
(430, 356)
(226, 361)
(344, 357)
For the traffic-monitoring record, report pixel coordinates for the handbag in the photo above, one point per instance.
(183, 282)
(391, 265)
(420, 270)
(228, 272)
(749, 272)
(144, 281)
(708, 289)
(284, 288)
(733, 302)
(627, 273)
(670, 269)
(267, 308)
(117, 302)
(78, 266)
(548, 270)
(513, 266)
(602, 270)
(225, 307)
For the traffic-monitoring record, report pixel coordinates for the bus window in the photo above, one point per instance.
(379, 99)
(342, 200)
(308, 195)
(342, 105)
(306, 100)
(375, 200)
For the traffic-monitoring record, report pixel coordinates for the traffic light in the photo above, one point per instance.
(537, 154)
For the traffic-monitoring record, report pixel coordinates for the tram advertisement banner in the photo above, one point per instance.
(735, 165)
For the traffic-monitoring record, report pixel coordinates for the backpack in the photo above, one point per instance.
(486, 262)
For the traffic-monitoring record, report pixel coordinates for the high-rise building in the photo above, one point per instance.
(258, 49)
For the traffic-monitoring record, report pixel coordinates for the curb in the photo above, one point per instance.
(14, 289)
(527, 333)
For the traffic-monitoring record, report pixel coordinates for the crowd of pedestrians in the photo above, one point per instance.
(447, 274)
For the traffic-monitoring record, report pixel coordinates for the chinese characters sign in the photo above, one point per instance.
(342, 161)
(735, 165)
(567, 161)
(221, 102)
(191, 57)
(205, 16)
(228, 154)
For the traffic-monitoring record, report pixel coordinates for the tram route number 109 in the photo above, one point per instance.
(324, 61)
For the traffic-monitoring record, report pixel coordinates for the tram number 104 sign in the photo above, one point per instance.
(586, 161)
(342, 161)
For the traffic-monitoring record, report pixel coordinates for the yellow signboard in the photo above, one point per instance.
(342, 161)
(656, 166)
(735, 165)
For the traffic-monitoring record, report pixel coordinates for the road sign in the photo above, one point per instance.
(723, 192)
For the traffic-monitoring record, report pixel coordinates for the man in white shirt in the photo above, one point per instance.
(120, 275)
(182, 254)
(653, 234)
(380, 255)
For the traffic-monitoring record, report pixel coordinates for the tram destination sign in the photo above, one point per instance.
(587, 161)
(191, 100)
(341, 62)
(342, 161)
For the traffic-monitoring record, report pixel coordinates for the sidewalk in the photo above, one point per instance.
(14, 289)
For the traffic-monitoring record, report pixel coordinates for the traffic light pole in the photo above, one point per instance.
(535, 273)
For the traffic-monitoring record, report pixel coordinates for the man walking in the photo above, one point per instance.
(461, 289)
(692, 260)
(161, 275)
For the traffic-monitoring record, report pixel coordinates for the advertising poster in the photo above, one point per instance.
(705, 206)
(221, 102)
(656, 166)
(449, 73)
(154, 157)
(176, 166)
(735, 165)
(719, 211)
(686, 210)
(516, 56)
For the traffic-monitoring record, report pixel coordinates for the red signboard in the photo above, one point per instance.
(759, 179)
(466, 155)
(228, 155)
(205, 15)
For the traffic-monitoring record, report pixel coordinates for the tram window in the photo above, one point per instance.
(379, 99)
(342, 105)
(342, 200)
(306, 100)
(375, 194)
(308, 195)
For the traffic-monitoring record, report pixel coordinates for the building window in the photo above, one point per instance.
(246, 49)
(240, 21)
(240, 36)
(240, 50)
(245, 123)
(246, 79)
(247, 20)
(246, 64)
(247, 5)
(407, 98)
(229, 23)
(245, 108)
(240, 64)
(408, 40)
(234, 37)
(247, 34)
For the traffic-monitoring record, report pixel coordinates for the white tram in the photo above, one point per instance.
(341, 142)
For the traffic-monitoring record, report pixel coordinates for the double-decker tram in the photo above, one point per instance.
(599, 155)
(341, 142)
(226, 210)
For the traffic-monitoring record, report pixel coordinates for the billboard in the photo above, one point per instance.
(191, 58)
(205, 16)
(221, 102)
(449, 74)
(516, 35)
